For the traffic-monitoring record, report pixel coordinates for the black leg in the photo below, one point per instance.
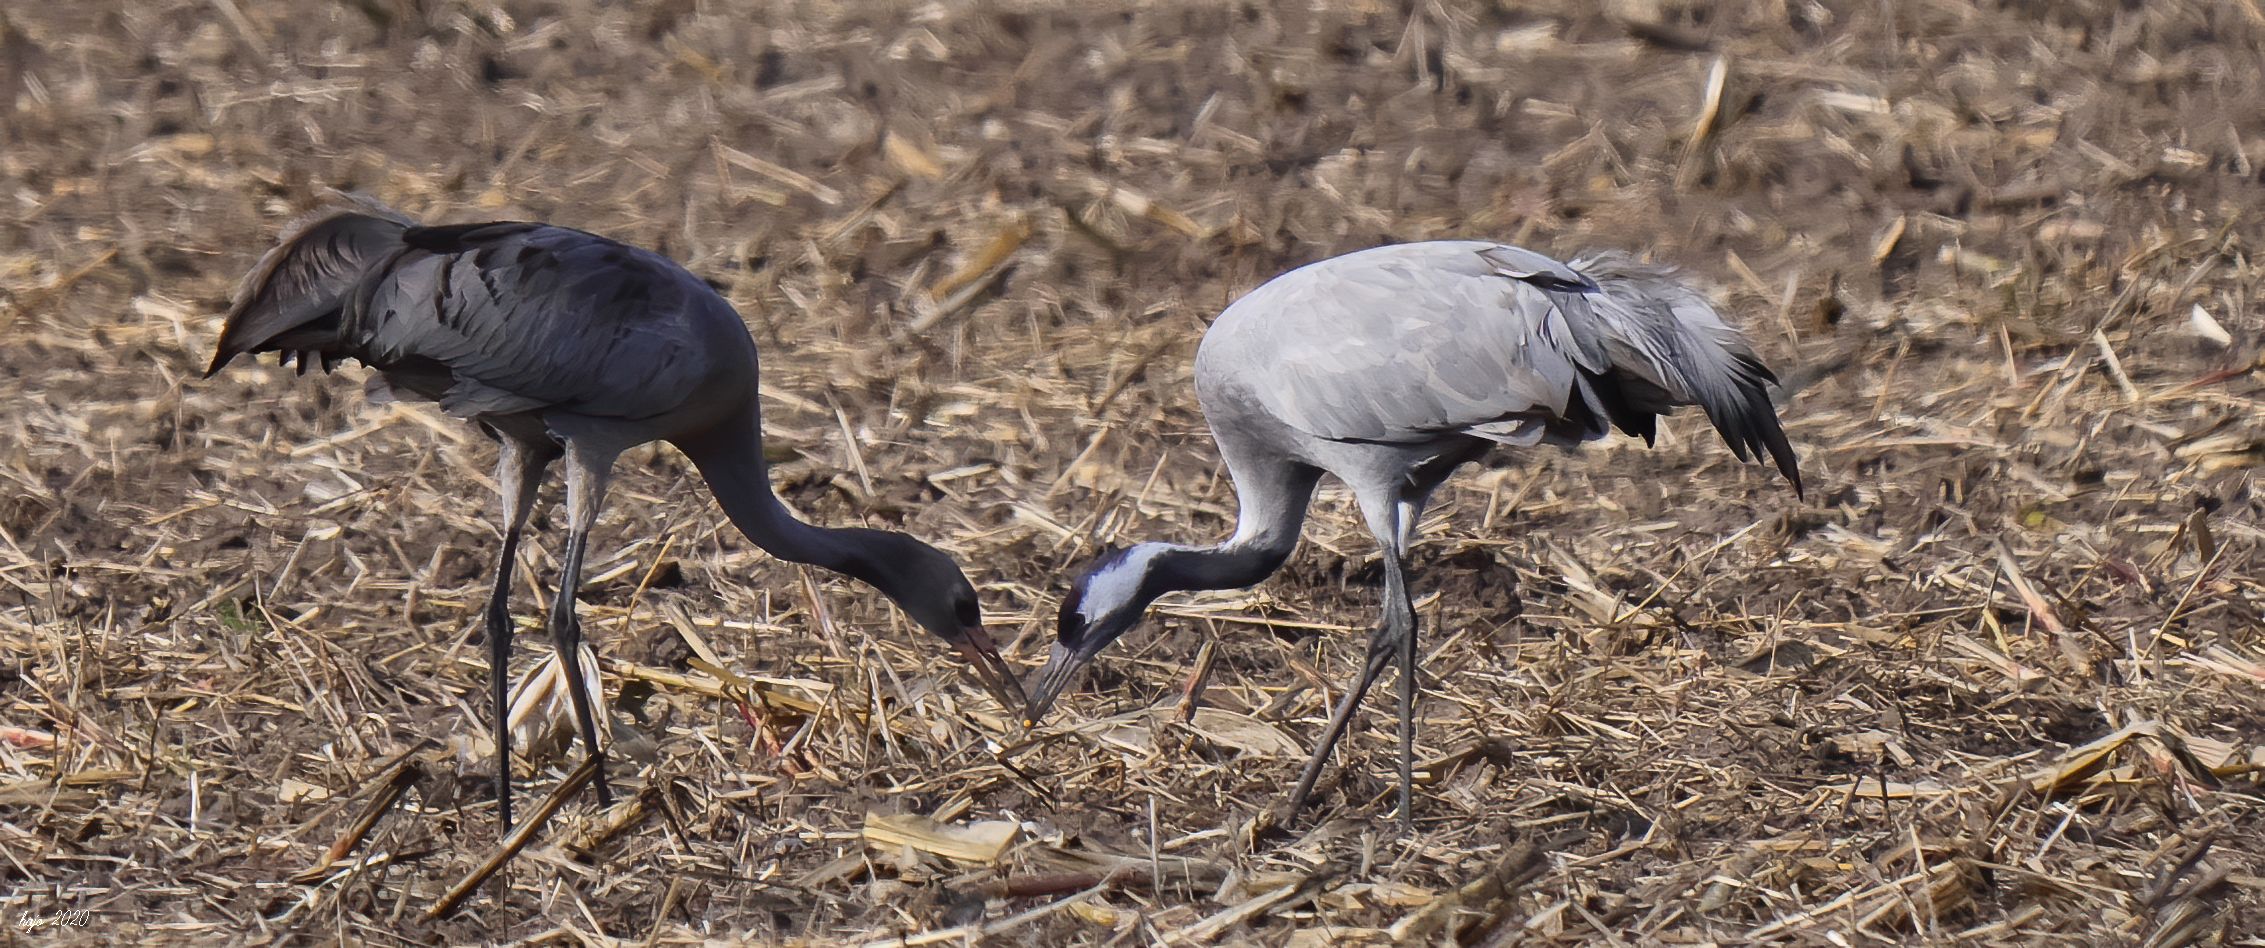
(1402, 613)
(566, 636)
(1379, 654)
(519, 472)
(499, 673)
(585, 488)
(1394, 637)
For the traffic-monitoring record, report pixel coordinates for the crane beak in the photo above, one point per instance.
(983, 658)
(1062, 664)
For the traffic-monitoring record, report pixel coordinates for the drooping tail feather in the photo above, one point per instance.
(1666, 339)
(292, 296)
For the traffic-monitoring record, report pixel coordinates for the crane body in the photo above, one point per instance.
(1390, 368)
(564, 345)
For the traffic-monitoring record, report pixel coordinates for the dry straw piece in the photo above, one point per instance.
(2000, 681)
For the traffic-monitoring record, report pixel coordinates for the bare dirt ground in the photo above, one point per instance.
(1999, 679)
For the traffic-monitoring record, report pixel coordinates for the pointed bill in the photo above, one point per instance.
(1062, 665)
(983, 658)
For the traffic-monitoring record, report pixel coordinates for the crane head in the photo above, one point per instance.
(930, 588)
(1106, 601)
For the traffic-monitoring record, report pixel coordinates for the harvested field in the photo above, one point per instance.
(1998, 679)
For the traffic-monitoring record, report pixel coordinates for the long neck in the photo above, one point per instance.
(730, 458)
(1273, 507)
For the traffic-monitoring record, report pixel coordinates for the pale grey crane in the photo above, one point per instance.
(559, 343)
(1390, 368)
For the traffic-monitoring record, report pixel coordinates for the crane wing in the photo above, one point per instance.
(525, 316)
(1670, 347)
(303, 280)
(1407, 343)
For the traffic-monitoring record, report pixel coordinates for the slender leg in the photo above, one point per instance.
(519, 472)
(1401, 613)
(1395, 636)
(1379, 654)
(1400, 610)
(586, 475)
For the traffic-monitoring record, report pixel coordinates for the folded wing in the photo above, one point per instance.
(1412, 342)
(486, 318)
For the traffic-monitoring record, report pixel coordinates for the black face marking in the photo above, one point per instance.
(1069, 626)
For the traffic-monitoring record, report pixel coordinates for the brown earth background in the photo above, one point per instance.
(1997, 680)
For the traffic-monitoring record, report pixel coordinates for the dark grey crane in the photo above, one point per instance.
(1390, 368)
(559, 343)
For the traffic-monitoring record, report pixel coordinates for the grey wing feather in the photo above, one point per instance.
(1413, 342)
(1666, 336)
(1402, 343)
(304, 278)
(468, 398)
(1522, 264)
(531, 316)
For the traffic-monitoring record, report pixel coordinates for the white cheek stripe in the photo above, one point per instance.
(1110, 589)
